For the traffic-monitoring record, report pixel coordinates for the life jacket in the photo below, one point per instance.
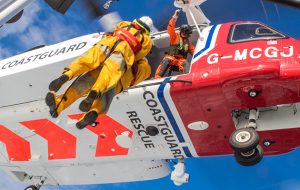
(180, 48)
(136, 45)
(131, 39)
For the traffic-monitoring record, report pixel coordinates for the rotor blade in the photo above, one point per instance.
(292, 3)
(16, 17)
(109, 21)
(60, 5)
(93, 8)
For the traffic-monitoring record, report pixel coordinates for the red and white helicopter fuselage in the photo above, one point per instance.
(241, 73)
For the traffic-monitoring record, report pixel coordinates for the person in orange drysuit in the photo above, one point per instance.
(109, 67)
(180, 46)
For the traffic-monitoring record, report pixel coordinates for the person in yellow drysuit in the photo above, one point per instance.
(110, 66)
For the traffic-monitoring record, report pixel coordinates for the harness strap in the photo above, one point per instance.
(140, 30)
(136, 26)
(132, 40)
(181, 47)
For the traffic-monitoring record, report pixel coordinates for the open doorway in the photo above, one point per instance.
(161, 45)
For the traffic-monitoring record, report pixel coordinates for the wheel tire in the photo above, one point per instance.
(249, 158)
(243, 140)
(31, 187)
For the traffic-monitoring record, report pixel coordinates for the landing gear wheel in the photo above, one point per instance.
(244, 139)
(250, 157)
(31, 187)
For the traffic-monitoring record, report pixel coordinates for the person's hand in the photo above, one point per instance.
(176, 14)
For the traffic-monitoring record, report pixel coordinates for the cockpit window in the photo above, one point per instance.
(253, 31)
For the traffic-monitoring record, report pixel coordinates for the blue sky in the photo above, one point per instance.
(41, 25)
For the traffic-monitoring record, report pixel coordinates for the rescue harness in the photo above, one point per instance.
(132, 40)
(180, 49)
(124, 34)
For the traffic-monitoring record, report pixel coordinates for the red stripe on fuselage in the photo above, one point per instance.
(106, 131)
(18, 149)
(61, 144)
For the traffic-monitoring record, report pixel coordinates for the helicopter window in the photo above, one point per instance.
(253, 31)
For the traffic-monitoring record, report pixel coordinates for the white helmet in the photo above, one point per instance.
(148, 22)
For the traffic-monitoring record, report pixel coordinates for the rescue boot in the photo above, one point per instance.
(56, 84)
(88, 119)
(50, 101)
(87, 103)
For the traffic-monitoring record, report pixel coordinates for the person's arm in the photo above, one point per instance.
(171, 27)
(146, 47)
(143, 71)
(122, 24)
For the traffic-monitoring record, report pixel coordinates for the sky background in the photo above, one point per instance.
(41, 25)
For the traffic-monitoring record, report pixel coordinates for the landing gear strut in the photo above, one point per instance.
(245, 142)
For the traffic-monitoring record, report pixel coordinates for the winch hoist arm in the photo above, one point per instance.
(194, 14)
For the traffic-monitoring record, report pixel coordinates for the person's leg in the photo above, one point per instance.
(81, 86)
(177, 67)
(99, 107)
(181, 65)
(87, 62)
(110, 74)
(162, 68)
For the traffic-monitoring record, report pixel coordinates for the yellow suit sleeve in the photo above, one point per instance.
(146, 47)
